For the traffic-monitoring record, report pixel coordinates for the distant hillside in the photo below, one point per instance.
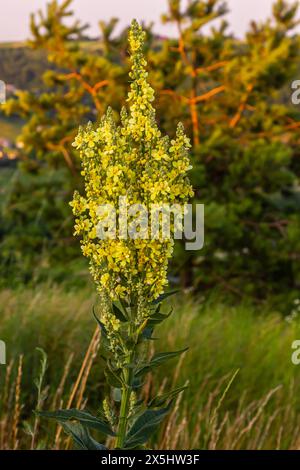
(21, 66)
(24, 67)
(14, 44)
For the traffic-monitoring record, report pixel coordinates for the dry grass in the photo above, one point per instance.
(250, 426)
(243, 391)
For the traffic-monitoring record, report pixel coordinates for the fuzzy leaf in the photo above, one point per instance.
(162, 297)
(118, 313)
(83, 417)
(112, 378)
(157, 360)
(147, 334)
(101, 326)
(161, 400)
(81, 436)
(144, 426)
(158, 317)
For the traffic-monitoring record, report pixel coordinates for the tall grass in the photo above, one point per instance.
(244, 392)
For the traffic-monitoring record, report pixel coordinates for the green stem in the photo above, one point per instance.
(124, 410)
(126, 393)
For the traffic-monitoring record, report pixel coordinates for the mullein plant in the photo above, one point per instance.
(135, 161)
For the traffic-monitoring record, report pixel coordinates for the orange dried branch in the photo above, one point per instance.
(100, 85)
(181, 46)
(60, 147)
(195, 99)
(92, 90)
(175, 95)
(212, 67)
(195, 122)
(236, 118)
(208, 95)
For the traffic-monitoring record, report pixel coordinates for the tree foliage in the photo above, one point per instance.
(228, 93)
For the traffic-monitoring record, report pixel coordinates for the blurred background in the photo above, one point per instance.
(224, 69)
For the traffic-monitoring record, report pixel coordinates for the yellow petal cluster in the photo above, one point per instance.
(134, 160)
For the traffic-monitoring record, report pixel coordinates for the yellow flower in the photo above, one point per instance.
(105, 279)
(136, 161)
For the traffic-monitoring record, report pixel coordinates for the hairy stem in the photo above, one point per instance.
(124, 410)
(126, 393)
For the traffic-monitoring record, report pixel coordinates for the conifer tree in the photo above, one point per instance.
(232, 96)
(81, 77)
(247, 164)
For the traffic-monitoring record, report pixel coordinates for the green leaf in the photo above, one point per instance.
(83, 417)
(162, 297)
(119, 313)
(113, 378)
(161, 400)
(147, 334)
(81, 436)
(158, 317)
(137, 383)
(104, 339)
(101, 326)
(144, 426)
(157, 360)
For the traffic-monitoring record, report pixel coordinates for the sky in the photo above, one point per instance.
(14, 14)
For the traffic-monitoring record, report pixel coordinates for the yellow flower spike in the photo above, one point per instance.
(136, 161)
